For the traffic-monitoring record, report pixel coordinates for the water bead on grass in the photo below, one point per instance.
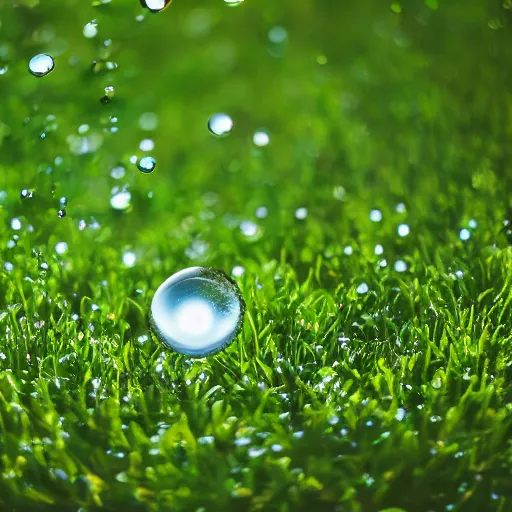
(41, 65)
(146, 164)
(220, 124)
(197, 311)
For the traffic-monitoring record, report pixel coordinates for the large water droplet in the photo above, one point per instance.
(220, 124)
(155, 5)
(197, 311)
(41, 65)
(233, 3)
(147, 164)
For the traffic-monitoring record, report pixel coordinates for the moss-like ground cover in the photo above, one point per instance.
(374, 368)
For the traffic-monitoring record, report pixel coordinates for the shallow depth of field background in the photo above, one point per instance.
(369, 239)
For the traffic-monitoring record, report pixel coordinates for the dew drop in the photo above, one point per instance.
(121, 200)
(403, 230)
(61, 248)
(220, 124)
(301, 213)
(464, 234)
(400, 266)
(233, 3)
(41, 64)
(147, 164)
(261, 138)
(155, 5)
(129, 259)
(375, 215)
(197, 311)
(362, 288)
(61, 213)
(16, 224)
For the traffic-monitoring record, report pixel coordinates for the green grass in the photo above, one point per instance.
(329, 399)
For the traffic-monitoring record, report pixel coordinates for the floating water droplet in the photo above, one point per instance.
(121, 200)
(63, 201)
(238, 271)
(61, 213)
(61, 247)
(378, 249)
(261, 138)
(155, 5)
(197, 311)
(362, 288)
(147, 164)
(261, 212)
(16, 224)
(464, 234)
(91, 29)
(41, 64)
(400, 266)
(129, 258)
(403, 230)
(146, 145)
(375, 215)
(220, 124)
(301, 213)
(117, 172)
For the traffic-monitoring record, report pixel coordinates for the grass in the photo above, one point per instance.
(335, 396)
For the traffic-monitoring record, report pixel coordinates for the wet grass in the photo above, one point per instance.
(356, 384)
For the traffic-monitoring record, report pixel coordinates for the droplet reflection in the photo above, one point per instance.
(197, 311)
(41, 64)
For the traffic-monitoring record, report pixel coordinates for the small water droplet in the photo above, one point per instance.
(41, 65)
(109, 91)
(375, 215)
(238, 271)
(233, 3)
(301, 213)
(378, 249)
(197, 311)
(400, 414)
(61, 213)
(16, 224)
(261, 212)
(91, 29)
(261, 138)
(400, 266)
(129, 258)
(117, 172)
(362, 288)
(348, 250)
(121, 200)
(146, 145)
(403, 230)
(26, 194)
(155, 5)
(464, 234)
(61, 247)
(147, 164)
(277, 35)
(220, 124)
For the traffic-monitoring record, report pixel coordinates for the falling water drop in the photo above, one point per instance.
(147, 164)
(220, 124)
(197, 311)
(155, 5)
(41, 64)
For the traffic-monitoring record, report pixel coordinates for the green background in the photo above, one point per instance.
(401, 398)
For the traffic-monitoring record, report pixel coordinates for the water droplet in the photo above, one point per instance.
(400, 208)
(464, 234)
(91, 29)
(41, 64)
(109, 91)
(197, 311)
(148, 121)
(301, 213)
(61, 247)
(256, 452)
(220, 124)
(249, 228)
(362, 288)
(238, 271)
(121, 200)
(277, 35)
(147, 164)
(261, 138)
(233, 3)
(400, 266)
(26, 194)
(375, 215)
(261, 212)
(16, 224)
(129, 258)
(61, 213)
(378, 249)
(348, 250)
(243, 441)
(117, 172)
(155, 5)
(403, 230)
(146, 145)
